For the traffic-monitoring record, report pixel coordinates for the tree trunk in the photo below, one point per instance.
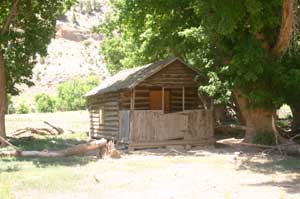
(238, 111)
(296, 117)
(2, 95)
(257, 120)
(286, 27)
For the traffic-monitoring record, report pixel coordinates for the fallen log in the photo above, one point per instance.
(75, 150)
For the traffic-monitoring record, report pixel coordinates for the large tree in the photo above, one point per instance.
(26, 28)
(239, 43)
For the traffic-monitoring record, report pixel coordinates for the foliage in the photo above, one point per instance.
(264, 139)
(10, 107)
(71, 93)
(29, 34)
(23, 108)
(44, 103)
(228, 41)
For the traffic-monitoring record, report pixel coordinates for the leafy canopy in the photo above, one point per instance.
(29, 34)
(228, 40)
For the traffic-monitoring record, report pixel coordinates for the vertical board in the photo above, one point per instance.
(124, 130)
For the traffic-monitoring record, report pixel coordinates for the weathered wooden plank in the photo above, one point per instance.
(124, 130)
(158, 126)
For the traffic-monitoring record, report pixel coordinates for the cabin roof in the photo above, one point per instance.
(129, 78)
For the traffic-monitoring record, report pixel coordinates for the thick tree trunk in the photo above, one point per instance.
(2, 95)
(238, 111)
(296, 117)
(257, 120)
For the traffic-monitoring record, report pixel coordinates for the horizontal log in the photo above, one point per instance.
(75, 150)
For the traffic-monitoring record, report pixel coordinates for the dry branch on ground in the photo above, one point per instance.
(289, 147)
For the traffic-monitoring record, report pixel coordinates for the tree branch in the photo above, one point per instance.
(286, 28)
(11, 16)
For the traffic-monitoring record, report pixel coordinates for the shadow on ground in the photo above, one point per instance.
(272, 164)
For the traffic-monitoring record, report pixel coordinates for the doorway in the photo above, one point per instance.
(156, 99)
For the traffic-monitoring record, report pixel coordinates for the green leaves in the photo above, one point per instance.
(228, 41)
(29, 34)
(71, 93)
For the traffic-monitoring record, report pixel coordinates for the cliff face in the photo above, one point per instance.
(73, 52)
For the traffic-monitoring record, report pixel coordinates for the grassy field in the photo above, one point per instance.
(77, 121)
(198, 173)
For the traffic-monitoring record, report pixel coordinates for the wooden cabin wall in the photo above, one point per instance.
(175, 75)
(173, 78)
(141, 99)
(104, 115)
(192, 100)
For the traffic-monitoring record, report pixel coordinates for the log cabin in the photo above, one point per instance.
(151, 106)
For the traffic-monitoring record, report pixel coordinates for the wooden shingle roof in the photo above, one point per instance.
(129, 78)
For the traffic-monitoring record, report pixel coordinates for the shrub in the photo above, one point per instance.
(10, 107)
(264, 138)
(44, 103)
(71, 93)
(23, 108)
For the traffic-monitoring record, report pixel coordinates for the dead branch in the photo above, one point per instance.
(25, 132)
(33, 131)
(289, 148)
(294, 137)
(58, 129)
(4, 141)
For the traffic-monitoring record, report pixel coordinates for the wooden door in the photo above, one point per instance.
(155, 100)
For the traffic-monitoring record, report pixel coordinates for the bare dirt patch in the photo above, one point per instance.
(198, 173)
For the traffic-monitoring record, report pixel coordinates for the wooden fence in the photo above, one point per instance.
(146, 126)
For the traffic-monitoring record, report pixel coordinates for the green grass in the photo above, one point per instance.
(77, 121)
(74, 177)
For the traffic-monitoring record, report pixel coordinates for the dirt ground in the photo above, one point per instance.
(173, 173)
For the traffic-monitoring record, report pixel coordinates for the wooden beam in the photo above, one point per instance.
(132, 99)
(183, 98)
(163, 100)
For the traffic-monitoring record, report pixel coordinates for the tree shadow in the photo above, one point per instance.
(290, 185)
(272, 164)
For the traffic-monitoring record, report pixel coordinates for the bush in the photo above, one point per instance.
(10, 107)
(23, 108)
(71, 93)
(44, 103)
(264, 138)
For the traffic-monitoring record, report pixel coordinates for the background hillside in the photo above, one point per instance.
(74, 52)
